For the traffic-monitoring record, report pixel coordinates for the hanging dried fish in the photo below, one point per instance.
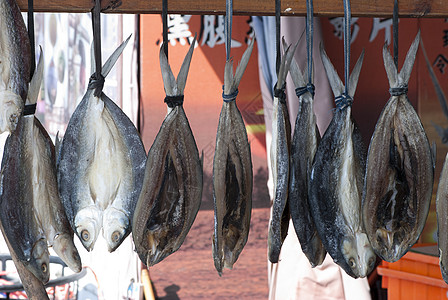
(15, 60)
(280, 146)
(232, 174)
(29, 191)
(337, 178)
(100, 167)
(400, 169)
(172, 186)
(442, 220)
(303, 148)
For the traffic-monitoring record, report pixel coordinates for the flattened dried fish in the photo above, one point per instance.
(232, 174)
(337, 178)
(27, 179)
(15, 60)
(100, 168)
(442, 220)
(400, 173)
(280, 145)
(172, 186)
(303, 148)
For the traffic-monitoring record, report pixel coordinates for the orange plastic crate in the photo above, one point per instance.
(415, 276)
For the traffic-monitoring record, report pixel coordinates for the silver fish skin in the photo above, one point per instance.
(232, 175)
(47, 204)
(100, 168)
(21, 226)
(400, 171)
(280, 146)
(172, 186)
(15, 58)
(337, 179)
(442, 220)
(303, 148)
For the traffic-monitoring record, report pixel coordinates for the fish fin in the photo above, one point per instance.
(108, 65)
(284, 66)
(406, 70)
(355, 75)
(297, 76)
(242, 65)
(36, 81)
(440, 131)
(228, 77)
(391, 69)
(92, 59)
(169, 81)
(439, 91)
(182, 76)
(335, 82)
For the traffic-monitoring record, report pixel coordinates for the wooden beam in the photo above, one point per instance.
(328, 8)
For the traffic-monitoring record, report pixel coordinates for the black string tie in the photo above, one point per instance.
(230, 97)
(308, 88)
(173, 101)
(96, 84)
(29, 109)
(343, 101)
(280, 93)
(398, 91)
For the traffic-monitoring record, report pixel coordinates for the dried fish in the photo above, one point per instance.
(100, 168)
(400, 169)
(280, 146)
(15, 61)
(337, 178)
(29, 189)
(303, 148)
(232, 174)
(172, 186)
(442, 220)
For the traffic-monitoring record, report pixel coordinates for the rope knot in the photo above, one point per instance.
(280, 93)
(29, 109)
(96, 82)
(308, 88)
(398, 91)
(173, 101)
(343, 101)
(230, 97)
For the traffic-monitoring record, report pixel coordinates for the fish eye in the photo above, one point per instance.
(85, 235)
(44, 268)
(116, 236)
(352, 263)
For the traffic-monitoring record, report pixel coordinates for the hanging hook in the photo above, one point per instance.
(31, 36)
(165, 26)
(228, 27)
(277, 35)
(395, 32)
(309, 39)
(347, 39)
(97, 79)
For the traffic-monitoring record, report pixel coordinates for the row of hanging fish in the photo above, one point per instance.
(359, 208)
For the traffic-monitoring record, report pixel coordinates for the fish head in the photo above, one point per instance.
(65, 248)
(39, 263)
(12, 105)
(88, 225)
(359, 255)
(391, 244)
(157, 245)
(116, 227)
